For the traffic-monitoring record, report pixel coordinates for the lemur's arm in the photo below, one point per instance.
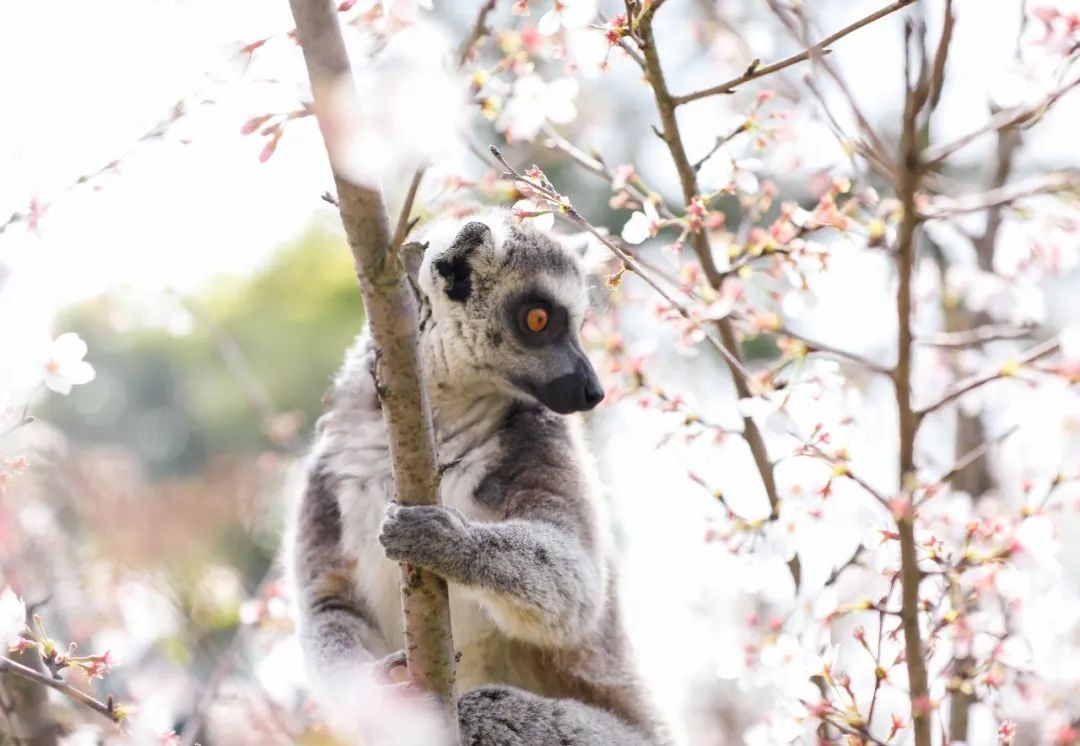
(535, 573)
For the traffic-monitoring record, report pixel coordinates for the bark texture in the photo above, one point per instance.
(391, 312)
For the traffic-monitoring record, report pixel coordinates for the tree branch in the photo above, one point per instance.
(910, 171)
(756, 70)
(108, 709)
(479, 31)
(665, 105)
(1002, 120)
(960, 388)
(1057, 181)
(391, 311)
(980, 335)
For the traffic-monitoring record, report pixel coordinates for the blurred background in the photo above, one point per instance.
(194, 255)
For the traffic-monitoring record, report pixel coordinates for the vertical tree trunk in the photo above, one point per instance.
(391, 312)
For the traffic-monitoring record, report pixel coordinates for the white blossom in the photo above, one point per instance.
(1070, 342)
(403, 108)
(642, 225)
(535, 101)
(64, 364)
(568, 14)
(540, 216)
(12, 618)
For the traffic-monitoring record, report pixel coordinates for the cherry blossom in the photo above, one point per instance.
(64, 364)
(568, 14)
(1070, 342)
(535, 101)
(12, 618)
(540, 216)
(643, 224)
(725, 172)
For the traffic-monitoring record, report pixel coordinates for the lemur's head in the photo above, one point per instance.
(506, 307)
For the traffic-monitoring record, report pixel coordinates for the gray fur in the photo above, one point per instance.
(521, 534)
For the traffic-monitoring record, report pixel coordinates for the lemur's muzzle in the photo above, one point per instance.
(578, 391)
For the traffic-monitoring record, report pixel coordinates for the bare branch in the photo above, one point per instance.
(874, 149)
(1002, 120)
(972, 337)
(974, 455)
(672, 137)
(404, 222)
(813, 346)
(960, 388)
(479, 31)
(910, 171)
(596, 165)
(755, 70)
(391, 310)
(941, 56)
(1057, 181)
(108, 709)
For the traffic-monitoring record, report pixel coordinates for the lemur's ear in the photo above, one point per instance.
(453, 263)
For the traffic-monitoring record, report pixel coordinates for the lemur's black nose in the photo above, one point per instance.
(594, 393)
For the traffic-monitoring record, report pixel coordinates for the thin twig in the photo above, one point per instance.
(479, 31)
(756, 71)
(108, 709)
(1057, 181)
(404, 222)
(826, 349)
(596, 165)
(1002, 120)
(974, 455)
(980, 335)
(960, 388)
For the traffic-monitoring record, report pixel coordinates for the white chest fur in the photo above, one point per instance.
(470, 454)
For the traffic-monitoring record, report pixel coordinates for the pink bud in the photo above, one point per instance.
(268, 150)
(253, 124)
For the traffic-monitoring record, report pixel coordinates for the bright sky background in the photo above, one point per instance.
(83, 81)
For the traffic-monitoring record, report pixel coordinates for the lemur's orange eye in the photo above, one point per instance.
(536, 319)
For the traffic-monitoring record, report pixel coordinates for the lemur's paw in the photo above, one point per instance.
(391, 669)
(423, 535)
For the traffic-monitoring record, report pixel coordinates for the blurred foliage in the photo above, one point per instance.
(166, 389)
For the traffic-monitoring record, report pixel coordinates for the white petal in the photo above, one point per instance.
(79, 373)
(559, 100)
(755, 408)
(68, 346)
(746, 182)
(578, 13)
(650, 211)
(550, 23)
(524, 205)
(1070, 342)
(637, 228)
(543, 222)
(59, 384)
(12, 618)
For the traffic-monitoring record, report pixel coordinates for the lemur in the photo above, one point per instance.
(521, 535)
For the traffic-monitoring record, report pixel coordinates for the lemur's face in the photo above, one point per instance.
(507, 304)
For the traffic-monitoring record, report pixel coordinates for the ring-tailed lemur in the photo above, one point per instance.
(521, 534)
